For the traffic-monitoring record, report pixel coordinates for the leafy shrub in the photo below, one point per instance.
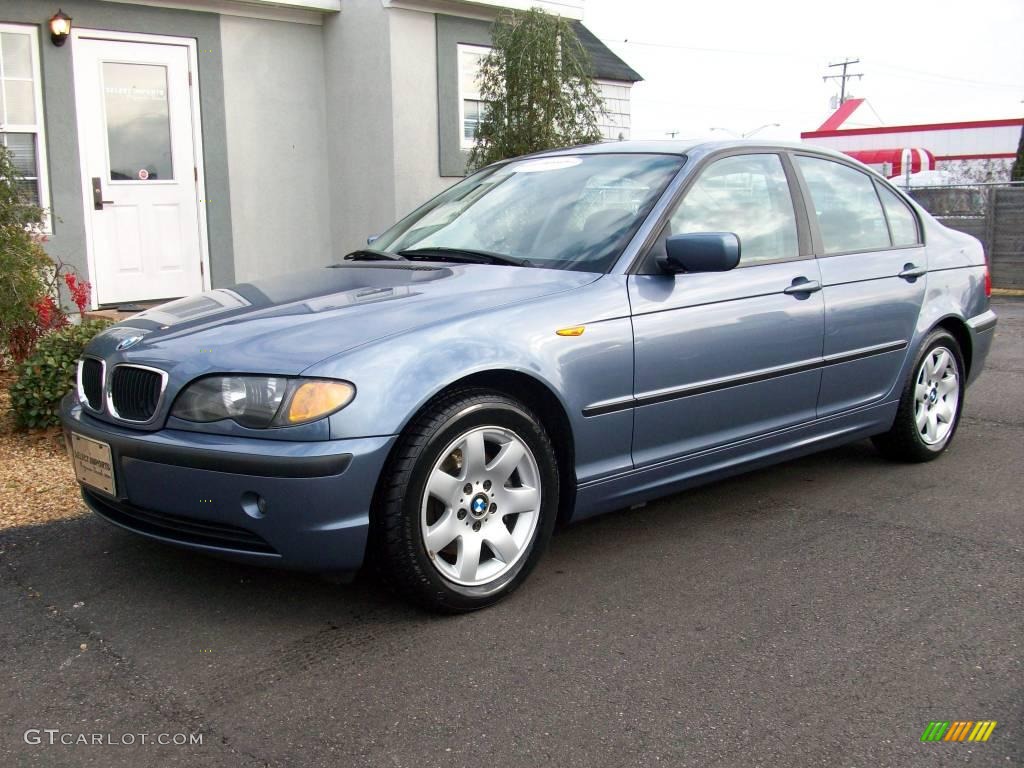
(49, 374)
(29, 299)
(23, 262)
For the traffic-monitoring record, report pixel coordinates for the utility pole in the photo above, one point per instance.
(843, 77)
(672, 134)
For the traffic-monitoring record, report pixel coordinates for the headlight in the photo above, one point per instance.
(262, 401)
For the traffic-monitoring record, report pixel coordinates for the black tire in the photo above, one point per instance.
(905, 441)
(396, 537)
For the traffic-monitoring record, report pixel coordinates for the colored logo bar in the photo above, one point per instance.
(958, 730)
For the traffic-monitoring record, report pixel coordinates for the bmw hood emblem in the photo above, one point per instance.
(128, 341)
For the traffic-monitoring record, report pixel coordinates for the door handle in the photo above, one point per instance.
(910, 271)
(802, 285)
(97, 195)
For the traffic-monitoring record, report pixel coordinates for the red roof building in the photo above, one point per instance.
(975, 150)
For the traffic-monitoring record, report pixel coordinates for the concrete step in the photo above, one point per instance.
(121, 311)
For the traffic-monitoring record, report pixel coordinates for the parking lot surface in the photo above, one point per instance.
(818, 613)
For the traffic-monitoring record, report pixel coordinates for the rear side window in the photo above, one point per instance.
(902, 222)
(847, 207)
(748, 195)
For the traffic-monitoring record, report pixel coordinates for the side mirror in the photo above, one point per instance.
(370, 240)
(701, 252)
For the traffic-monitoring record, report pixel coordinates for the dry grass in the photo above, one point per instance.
(37, 484)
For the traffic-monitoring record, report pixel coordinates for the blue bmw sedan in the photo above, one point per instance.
(554, 337)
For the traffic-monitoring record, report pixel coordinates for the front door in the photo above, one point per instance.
(141, 185)
(723, 357)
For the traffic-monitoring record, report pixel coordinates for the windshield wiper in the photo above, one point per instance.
(372, 254)
(467, 255)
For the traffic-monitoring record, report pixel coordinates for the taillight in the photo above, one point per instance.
(988, 281)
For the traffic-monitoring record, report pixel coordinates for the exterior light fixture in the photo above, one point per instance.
(60, 28)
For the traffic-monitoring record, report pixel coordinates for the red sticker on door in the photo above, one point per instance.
(143, 174)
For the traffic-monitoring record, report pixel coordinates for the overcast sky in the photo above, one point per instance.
(739, 64)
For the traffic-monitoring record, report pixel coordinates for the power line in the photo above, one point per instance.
(811, 57)
(843, 77)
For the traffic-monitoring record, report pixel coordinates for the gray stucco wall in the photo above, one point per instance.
(381, 95)
(360, 137)
(68, 240)
(414, 94)
(277, 145)
(452, 30)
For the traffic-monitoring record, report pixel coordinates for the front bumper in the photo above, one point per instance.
(302, 505)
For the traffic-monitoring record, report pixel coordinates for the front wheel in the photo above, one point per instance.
(467, 502)
(930, 405)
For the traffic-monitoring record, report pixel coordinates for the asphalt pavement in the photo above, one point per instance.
(818, 613)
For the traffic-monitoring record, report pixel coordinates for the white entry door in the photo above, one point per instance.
(137, 140)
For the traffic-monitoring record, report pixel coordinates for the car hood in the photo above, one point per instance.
(285, 324)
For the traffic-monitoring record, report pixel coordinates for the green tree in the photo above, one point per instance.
(539, 90)
(1017, 174)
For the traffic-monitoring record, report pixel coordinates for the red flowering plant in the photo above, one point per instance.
(79, 290)
(30, 303)
(47, 313)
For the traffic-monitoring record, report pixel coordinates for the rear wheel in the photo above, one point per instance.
(930, 405)
(468, 502)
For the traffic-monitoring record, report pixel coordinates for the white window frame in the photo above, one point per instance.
(461, 48)
(39, 129)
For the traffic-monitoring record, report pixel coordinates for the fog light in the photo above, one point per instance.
(254, 505)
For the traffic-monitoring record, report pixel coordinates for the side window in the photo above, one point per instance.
(21, 109)
(902, 222)
(848, 210)
(748, 195)
(471, 106)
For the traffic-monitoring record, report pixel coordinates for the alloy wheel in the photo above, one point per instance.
(936, 396)
(481, 506)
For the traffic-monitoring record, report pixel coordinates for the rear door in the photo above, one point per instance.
(873, 267)
(720, 357)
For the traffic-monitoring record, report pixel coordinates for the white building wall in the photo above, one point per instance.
(276, 143)
(984, 140)
(615, 122)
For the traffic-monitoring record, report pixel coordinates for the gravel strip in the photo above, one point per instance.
(37, 484)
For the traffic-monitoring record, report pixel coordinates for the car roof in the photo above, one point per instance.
(684, 147)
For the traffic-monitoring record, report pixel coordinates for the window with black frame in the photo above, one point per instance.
(749, 196)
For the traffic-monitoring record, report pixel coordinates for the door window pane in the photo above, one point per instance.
(847, 207)
(902, 222)
(138, 121)
(749, 196)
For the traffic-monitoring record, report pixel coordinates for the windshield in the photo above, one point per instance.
(564, 212)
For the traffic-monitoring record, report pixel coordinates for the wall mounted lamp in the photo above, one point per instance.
(60, 28)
